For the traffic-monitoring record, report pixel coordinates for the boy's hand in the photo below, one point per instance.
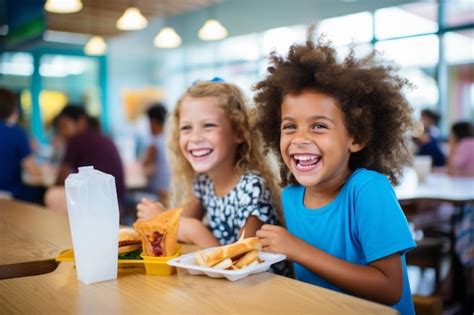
(277, 239)
(147, 209)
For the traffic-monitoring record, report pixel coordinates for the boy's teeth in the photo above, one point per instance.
(305, 157)
(306, 160)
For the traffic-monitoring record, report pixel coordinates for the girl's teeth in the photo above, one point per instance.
(199, 153)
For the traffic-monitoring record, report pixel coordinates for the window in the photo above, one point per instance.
(418, 58)
(459, 12)
(73, 78)
(347, 29)
(406, 20)
(280, 39)
(419, 51)
(459, 47)
(248, 48)
(460, 60)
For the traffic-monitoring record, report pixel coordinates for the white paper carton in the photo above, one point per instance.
(94, 220)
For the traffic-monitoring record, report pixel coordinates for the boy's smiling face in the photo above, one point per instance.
(315, 144)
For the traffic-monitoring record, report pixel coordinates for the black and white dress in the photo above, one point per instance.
(226, 215)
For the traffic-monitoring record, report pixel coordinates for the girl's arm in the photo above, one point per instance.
(192, 231)
(381, 281)
(193, 209)
(149, 208)
(252, 225)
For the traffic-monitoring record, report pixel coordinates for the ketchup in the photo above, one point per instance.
(156, 244)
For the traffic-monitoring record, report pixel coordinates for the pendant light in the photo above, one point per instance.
(212, 30)
(63, 6)
(131, 20)
(96, 46)
(167, 38)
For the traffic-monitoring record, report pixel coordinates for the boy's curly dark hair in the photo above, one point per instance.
(367, 91)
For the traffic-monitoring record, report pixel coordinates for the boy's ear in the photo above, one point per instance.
(357, 146)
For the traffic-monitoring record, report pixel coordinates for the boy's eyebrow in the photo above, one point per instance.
(315, 117)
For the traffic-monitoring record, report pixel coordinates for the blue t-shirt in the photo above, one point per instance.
(362, 224)
(14, 148)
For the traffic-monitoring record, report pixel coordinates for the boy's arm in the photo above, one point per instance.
(381, 281)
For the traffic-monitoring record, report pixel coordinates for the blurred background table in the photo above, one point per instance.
(439, 186)
(436, 206)
(29, 232)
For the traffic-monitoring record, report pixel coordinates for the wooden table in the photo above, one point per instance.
(44, 234)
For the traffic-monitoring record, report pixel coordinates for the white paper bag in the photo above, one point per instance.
(94, 220)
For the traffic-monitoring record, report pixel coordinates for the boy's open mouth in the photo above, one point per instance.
(199, 153)
(306, 162)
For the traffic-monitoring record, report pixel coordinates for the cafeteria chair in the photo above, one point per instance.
(429, 253)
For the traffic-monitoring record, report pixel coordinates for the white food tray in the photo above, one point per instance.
(189, 263)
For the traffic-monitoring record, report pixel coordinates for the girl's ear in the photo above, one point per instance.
(239, 138)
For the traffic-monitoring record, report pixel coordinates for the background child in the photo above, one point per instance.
(218, 168)
(340, 129)
(16, 155)
(154, 161)
(461, 149)
(428, 143)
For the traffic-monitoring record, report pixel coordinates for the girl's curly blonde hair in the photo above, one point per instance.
(250, 155)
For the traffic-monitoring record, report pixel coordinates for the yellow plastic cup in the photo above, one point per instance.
(157, 266)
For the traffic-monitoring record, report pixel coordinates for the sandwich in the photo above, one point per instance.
(238, 255)
(130, 244)
(159, 235)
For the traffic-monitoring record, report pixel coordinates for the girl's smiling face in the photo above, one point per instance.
(315, 144)
(206, 137)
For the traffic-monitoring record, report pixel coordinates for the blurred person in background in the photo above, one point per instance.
(428, 142)
(461, 163)
(461, 149)
(85, 145)
(430, 120)
(155, 161)
(15, 152)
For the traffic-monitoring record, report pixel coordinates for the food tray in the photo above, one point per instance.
(67, 255)
(154, 266)
(189, 263)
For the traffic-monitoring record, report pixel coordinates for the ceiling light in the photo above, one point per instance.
(63, 6)
(96, 46)
(167, 38)
(212, 30)
(131, 20)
